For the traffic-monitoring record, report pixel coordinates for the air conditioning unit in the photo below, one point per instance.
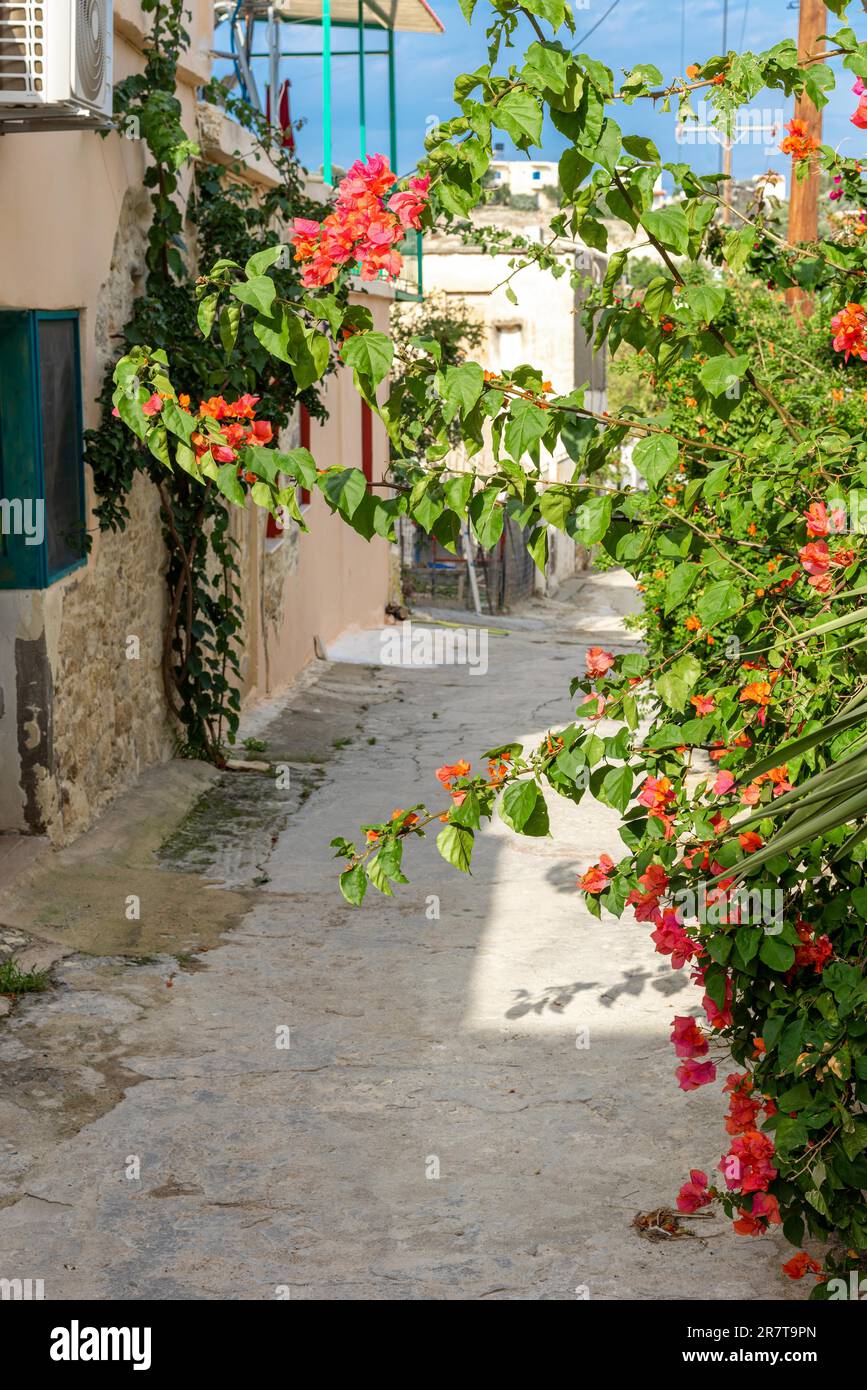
(55, 62)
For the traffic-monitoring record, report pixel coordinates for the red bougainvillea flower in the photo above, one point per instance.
(688, 1039)
(747, 1166)
(596, 878)
(703, 704)
(750, 841)
(694, 1194)
(813, 950)
(850, 331)
(765, 1212)
(671, 939)
(598, 662)
(744, 1107)
(800, 1264)
(799, 143)
(690, 1074)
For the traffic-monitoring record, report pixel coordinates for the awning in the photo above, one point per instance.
(407, 16)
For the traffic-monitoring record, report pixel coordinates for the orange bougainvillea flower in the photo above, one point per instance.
(692, 623)
(800, 1264)
(799, 143)
(693, 71)
(598, 662)
(850, 331)
(750, 841)
(596, 878)
(703, 704)
(757, 693)
(450, 771)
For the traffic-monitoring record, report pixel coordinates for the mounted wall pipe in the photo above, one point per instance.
(362, 99)
(327, 169)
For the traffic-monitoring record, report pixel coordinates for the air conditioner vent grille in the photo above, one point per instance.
(22, 48)
(90, 38)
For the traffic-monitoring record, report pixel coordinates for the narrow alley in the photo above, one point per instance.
(254, 1092)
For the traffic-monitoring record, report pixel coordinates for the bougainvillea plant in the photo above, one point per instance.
(735, 746)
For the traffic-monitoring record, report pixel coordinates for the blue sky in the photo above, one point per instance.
(635, 31)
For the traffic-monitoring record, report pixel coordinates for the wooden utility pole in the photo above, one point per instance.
(804, 194)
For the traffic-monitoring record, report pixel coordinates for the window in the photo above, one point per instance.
(537, 175)
(509, 346)
(42, 506)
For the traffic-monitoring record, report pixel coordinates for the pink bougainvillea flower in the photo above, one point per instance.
(719, 1017)
(153, 405)
(598, 662)
(409, 204)
(694, 1194)
(724, 783)
(671, 939)
(691, 1074)
(688, 1039)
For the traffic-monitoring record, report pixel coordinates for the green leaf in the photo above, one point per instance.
(455, 844)
(527, 423)
(370, 354)
(669, 226)
(206, 314)
(345, 490)
(520, 116)
(706, 301)
(654, 456)
(259, 293)
(679, 584)
(616, 789)
(462, 387)
(592, 520)
(261, 261)
(723, 375)
(673, 691)
(519, 803)
(180, 422)
(226, 478)
(718, 603)
(487, 517)
(353, 885)
(230, 319)
(777, 954)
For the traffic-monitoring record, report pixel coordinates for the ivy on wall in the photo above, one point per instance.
(232, 220)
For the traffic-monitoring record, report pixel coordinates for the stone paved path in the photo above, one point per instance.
(417, 1046)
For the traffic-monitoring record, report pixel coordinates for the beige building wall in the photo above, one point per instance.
(538, 329)
(80, 718)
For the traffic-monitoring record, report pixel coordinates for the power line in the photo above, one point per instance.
(682, 34)
(744, 25)
(586, 36)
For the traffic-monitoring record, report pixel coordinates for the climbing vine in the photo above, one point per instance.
(231, 221)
